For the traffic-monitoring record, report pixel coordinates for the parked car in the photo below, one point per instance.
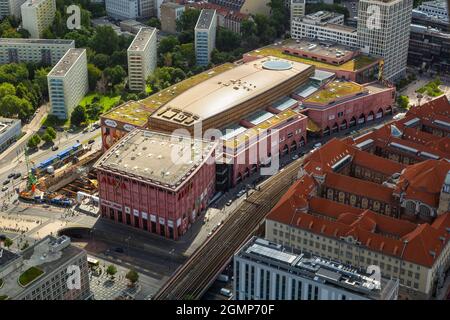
(17, 175)
(318, 145)
(229, 202)
(6, 181)
(4, 188)
(223, 278)
(295, 157)
(91, 141)
(54, 148)
(226, 292)
(10, 175)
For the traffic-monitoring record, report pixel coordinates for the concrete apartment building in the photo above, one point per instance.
(324, 25)
(389, 38)
(46, 51)
(297, 8)
(205, 36)
(142, 58)
(10, 129)
(10, 8)
(267, 271)
(55, 263)
(37, 15)
(130, 9)
(245, 6)
(68, 83)
(170, 13)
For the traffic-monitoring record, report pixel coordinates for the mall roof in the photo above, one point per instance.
(231, 88)
(166, 161)
(335, 91)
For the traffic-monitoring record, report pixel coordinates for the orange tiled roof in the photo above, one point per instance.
(359, 187)
(423, 181)
(438, 106)
(400, 238)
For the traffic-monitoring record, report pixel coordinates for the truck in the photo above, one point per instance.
(223, 278)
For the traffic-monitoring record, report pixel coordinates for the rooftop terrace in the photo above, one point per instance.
(357, 63)
(335, 90)
(66, 62)
(159, 159)
(142, 39)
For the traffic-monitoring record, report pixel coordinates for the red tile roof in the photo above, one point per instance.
(400, 238)
(423, 181)
(428, 110)
(359, 187)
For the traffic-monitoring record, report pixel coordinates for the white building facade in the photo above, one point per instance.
(130, 9)
(68, 83)
(46, 51)
(142, 58)
(266, 271)
(10, 129)
(10, 8)
(37, 15)
(205, 36)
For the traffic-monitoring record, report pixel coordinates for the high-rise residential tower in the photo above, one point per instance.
(205, 36)
(141, 58)
(383, 30)
(37, 15)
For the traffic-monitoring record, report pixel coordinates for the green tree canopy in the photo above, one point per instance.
(105, 40)
(78, 116)
(94, 74)
(7, 89)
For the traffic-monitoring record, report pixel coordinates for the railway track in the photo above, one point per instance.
(195, 276)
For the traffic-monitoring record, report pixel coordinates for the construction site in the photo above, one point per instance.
(64, 180)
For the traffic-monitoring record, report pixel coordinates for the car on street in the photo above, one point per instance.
(54, 148)
(6, 181)
(317, 145)
(4, 188)
(295, 157)
(226, 292)
(240, 193)
(209, 234)
(11, 175)
(229, 202)
(91, 141)
(17, 175)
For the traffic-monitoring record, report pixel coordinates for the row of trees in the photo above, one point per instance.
(48, 136)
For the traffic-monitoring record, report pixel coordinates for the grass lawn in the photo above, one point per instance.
(29, 276)
(54, 122)
(431, 88)
(105, 101)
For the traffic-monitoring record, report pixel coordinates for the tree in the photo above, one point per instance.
(94, 74)
(51, 132)
(248, 28)
(101, 60)
(13, 73)
(78, 116)
(115, 74)
(155, 23)
(188, 20)
(46, 138)
(34, 141)
(7, 89)
(11, 106)
(167, 44)
(132, 276)
(105, 40)
(8, 242)
(403, 102)
(111, 270)
(227, 40)
(40, 78)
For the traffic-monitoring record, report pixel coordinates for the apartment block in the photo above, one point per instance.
(142, 58)
(10, 8)
(130, 9)
(297, 8)
(51, 269)
(388, 35)
(324, 26)
(170, 13)
(37, 15)
(68, 83)
(205, 36)
(265, 270)
(46, 51)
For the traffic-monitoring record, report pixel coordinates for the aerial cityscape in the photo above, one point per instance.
(224, 150)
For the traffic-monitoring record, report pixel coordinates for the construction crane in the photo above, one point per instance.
(32, 180)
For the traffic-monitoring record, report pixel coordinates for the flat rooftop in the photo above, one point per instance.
(35, 41)
(321, 48)
(231, 88)
(7, 257)
(6, 123)
(137, 113)
(357, 63)
(166, 161)
(67, 61)
(205, 19)
(312, 267)
(335, 90)
(45, 256)
(141, 39)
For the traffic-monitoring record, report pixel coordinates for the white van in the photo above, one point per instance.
(226, 292)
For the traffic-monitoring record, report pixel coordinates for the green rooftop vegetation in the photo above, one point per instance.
(29, 276)
(137, 113)
(335, 90)
(357, 63)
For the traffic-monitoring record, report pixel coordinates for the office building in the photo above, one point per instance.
(10, 129)
(205, 36)
(51, 269)
(68, 83)
(10, 8)
(388, 36)
(131, 26)
(324, 26)
(297, 9)
(45, 51)
(429, 48)
(265, 270)
(156, 182)
(142, 58)
(130, 9)
(437, 8)
(37, 15)
(170, 13)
